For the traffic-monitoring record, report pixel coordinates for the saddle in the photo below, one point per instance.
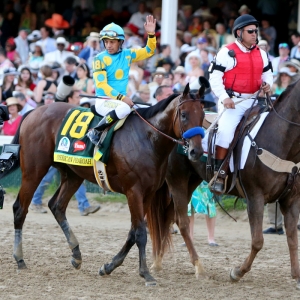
(248, 121)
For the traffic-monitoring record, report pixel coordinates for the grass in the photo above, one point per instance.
(228, 203)
(111, 197)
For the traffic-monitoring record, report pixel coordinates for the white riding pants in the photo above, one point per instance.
(230, 120)
(104, 106)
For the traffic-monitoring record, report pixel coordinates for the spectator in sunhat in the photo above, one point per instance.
(11, 126)
(33, 37)
(60, 54)
(8, 85)
(57, 23)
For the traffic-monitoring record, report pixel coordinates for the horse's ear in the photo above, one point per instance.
(201, 92)
(186, 90)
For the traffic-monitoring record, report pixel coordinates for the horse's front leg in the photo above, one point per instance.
(291, 216)
(255, 213)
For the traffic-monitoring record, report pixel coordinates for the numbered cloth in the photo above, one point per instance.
(72, 145)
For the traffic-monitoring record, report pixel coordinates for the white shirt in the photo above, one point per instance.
(223, 59)
(22, 48)
(57, 56)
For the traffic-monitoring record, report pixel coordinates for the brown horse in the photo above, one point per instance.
(279, 135)
(136, 167)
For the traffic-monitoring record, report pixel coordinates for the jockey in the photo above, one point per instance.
(110, 74)
(238, 71)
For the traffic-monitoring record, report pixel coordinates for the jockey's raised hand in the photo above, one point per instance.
(150, 24)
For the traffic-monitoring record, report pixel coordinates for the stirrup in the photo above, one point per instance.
(218, 185)
(94, 136)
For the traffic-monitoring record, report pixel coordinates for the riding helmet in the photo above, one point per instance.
(243, 21)
(112, 31)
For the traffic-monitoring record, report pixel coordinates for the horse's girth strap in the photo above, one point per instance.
(275, 163)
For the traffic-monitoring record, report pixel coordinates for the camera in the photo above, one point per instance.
(4, 115)
(64, 88)
(8, 157)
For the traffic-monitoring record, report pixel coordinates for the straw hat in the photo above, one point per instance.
(293, 63)
(144, 88)
(159, 70)
(57, 21)
(94, 36)
(13, 101)
(179, 70)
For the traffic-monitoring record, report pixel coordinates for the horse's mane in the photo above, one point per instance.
(151, 111)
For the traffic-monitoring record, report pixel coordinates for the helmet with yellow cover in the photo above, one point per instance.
(112, 31)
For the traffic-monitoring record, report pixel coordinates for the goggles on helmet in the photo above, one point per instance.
(109, 34)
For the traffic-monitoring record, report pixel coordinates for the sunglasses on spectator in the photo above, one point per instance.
(250, 31)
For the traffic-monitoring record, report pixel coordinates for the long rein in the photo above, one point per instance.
(183, 141)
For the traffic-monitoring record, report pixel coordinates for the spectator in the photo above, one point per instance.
(294, 67)
(179, 79)
(5, 63)
(74, 97)
(70, 66)
(268, 33)
(222, 37)
(143, 94)
(139, 18)
(48, 43)
(57, 23)
(57, 72)
(202, 203)
(28, 18)
(25, 84)
(196, 71)
(166, 63)
(187, 38)
(37, 54)
(87, 102)
(60, 54)
(84, 82)
(11, 126)
(44, 9)
(33, 37)
(88, 28)
(244, 10)
(209, 33)
(185, 49)
(163, 92)
(22, 45)
(47, 84)
(26, 103)
(203, 9)
(195, 26)
(205, 62)
(87, 54)
(283, 80)
(295, 37)
(263, 44)
(11, 52)
(274, 219)
(76, 48)
(9, 27)
(277, 62)
(8, 85)
(297, 52)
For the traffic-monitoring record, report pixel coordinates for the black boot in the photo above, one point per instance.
(94, 134)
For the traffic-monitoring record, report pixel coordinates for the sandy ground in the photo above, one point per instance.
(51, 276)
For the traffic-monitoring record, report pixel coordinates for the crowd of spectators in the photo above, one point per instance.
(39, 46)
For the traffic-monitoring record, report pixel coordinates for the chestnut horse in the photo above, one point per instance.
(136, 167)
(280, 135)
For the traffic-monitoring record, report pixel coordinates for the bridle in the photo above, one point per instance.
(185, 135)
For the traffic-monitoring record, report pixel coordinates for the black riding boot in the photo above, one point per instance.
(94, 134)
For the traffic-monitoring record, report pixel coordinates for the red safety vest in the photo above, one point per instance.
(245, 77)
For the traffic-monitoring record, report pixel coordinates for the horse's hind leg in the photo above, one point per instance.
(30, 181)
(291, 216)
(70, 182)
(255, 213)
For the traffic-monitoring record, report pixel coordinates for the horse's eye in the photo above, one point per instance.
(183, 115)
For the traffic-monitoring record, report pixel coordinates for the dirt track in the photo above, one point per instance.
(51, 276)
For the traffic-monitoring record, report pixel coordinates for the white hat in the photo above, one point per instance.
(287, 71)
(62, 40)
(94, 36)
(262, 43)
(34, 35)
(186, 48)
(38, 43)
(179, 70)
(293, 63)
(85, 100)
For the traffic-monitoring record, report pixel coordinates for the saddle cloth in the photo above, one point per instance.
(246, 145)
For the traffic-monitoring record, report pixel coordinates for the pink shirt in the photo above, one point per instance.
(11, 128)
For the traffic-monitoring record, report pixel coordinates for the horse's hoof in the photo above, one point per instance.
(102, 271)
(76, 263)
(298, 285)
(150, 283)
(21, 265)
(233, 276)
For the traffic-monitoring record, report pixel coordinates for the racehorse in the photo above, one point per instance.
(136, 167)
(279, 135)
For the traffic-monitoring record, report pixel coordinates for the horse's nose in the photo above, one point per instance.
(195, 154)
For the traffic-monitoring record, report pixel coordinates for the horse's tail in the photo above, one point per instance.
(159, 218)
(15, 140)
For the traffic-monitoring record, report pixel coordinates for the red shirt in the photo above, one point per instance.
(11, 128)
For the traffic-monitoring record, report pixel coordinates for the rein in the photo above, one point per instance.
(183, 141)
(277, 114)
